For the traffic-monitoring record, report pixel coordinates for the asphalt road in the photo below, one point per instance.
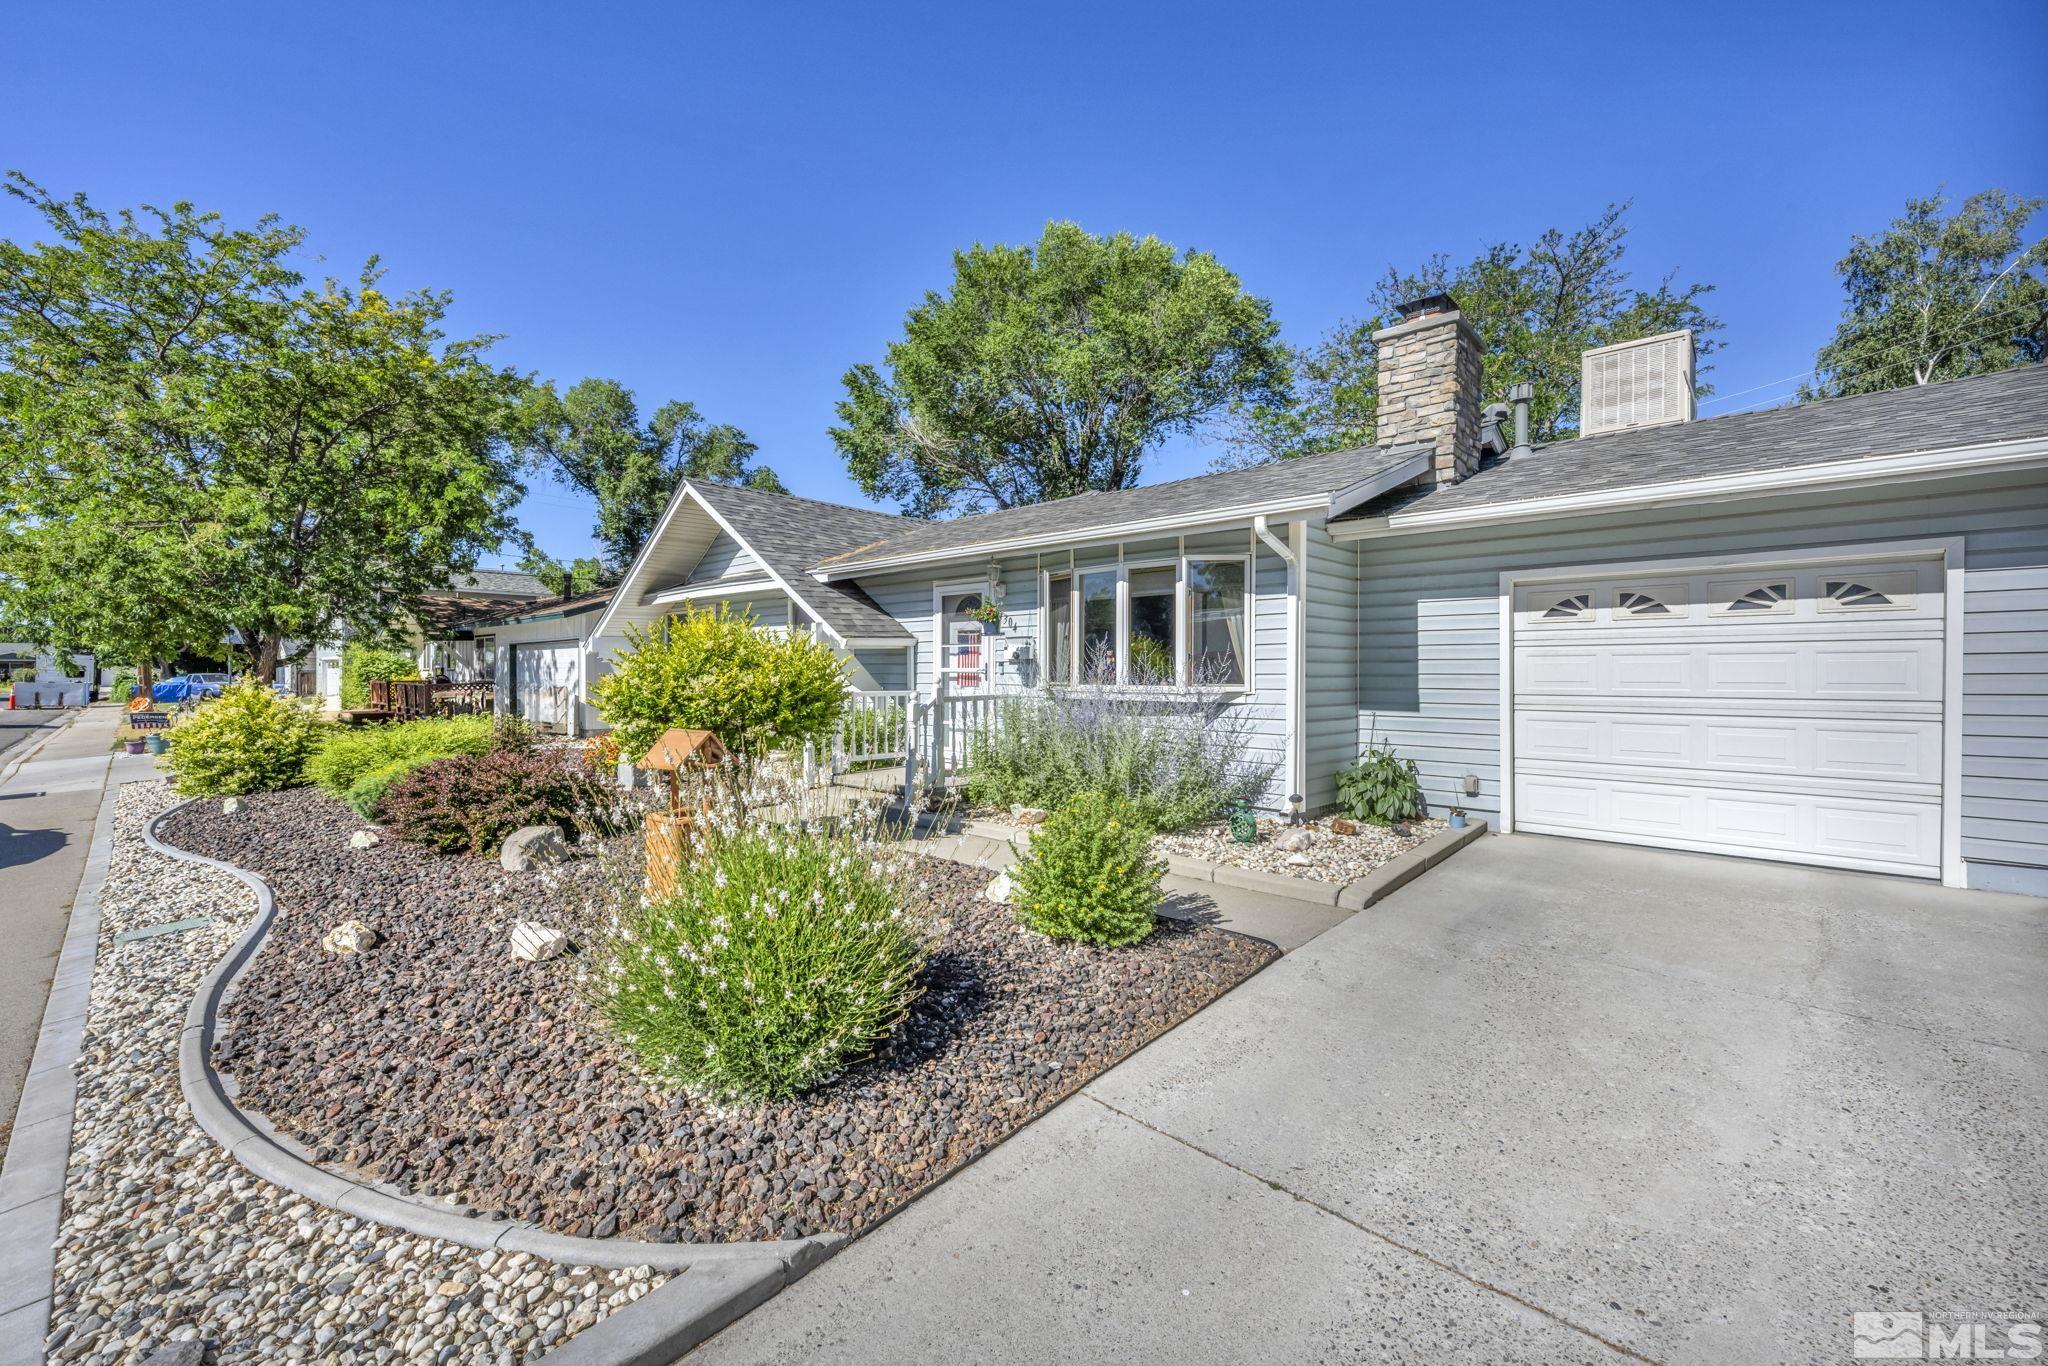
(20, 729)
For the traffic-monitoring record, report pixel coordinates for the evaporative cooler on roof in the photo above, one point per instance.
(1642, 383)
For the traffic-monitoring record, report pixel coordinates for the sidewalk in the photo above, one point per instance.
(48, 805)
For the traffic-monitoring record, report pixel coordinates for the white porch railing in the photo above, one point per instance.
(874, 729)
(933, 739)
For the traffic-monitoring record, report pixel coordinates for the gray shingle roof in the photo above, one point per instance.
(2009, 405)
(506, 581)
(790, 534)
(1310, 476)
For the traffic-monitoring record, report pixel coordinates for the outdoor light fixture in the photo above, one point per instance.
(1294, 809)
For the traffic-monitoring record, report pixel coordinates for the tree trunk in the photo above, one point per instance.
(145, 677)
(263, 663)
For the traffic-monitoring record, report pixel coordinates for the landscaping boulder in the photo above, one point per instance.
(1294, 841)
(532, 845)
(229, 806)
(362, 839)
(1343, 826)
(350, 936)
(1300, 861)
(1001, 891)
(533, 942)
(1028, 816)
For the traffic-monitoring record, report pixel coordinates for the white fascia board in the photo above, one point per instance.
(628, 591)
(688, 592)
(1867, 470)
(1216, 518)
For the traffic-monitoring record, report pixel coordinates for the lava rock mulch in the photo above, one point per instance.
(438, 1063)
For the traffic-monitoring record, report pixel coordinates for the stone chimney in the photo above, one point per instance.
(1429, 384)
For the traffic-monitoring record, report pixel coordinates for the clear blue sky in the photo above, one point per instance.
(732, 203)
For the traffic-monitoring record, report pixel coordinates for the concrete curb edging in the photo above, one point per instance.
(724, 1280)
(978, 848)
(1405, 869)
(39, 1150)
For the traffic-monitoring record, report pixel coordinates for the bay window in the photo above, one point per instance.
(1152, 624)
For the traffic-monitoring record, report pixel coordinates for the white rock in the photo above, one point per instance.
(533, 942)
(1001, 890)
(350, 936)
(1300, 861)
(1294, 841)
(230, 806)
(530, 846)
(362, 839)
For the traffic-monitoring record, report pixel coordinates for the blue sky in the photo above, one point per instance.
(731, 204)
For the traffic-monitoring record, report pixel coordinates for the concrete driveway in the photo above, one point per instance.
(1554, 1101)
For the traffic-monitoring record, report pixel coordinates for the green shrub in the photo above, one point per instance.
(1089, 873)
(1382, 788)
(782, 956)
(347, 755)
(246, 740)
(470, 803)
(719, 671)
(1178, 755)
(365, 796)
(363, 664)
(122, 685)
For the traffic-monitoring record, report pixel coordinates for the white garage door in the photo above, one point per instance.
(1787, 713)
(544, 682)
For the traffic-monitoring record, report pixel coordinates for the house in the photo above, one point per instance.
(1816, 634)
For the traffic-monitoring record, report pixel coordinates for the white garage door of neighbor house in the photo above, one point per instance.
(1790, 713)
(544, 682)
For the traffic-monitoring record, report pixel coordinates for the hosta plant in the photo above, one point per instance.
(1382, 788)
(1090, 874)
(784, 954)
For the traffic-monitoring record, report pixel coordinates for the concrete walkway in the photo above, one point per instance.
(49, 802)
(1554, 1101)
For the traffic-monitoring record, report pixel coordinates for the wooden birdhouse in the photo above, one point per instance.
(677, 752)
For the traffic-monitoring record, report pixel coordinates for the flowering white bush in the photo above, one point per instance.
(784, 953)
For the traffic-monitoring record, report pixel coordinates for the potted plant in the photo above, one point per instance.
(133, 744)
(156, 744)
(1457, 818)
(988, 614)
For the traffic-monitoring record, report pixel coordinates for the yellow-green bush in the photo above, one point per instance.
(349, 754)
(246, 740)
(1090, 874)
(719, 671)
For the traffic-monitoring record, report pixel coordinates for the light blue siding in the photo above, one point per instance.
(1429, 629)
(1330, 687)
(725, 558)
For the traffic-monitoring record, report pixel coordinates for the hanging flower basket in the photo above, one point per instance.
(987, 613)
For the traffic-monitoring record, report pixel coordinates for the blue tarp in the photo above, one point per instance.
(182, 690)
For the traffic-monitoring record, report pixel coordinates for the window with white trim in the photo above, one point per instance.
(1151, 624)
(1569, 607)
(1868, 590)
(1762, 599)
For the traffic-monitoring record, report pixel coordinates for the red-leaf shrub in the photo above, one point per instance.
(473, 801)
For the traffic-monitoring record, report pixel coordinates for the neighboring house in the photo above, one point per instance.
(1816, 634)
(431, 634)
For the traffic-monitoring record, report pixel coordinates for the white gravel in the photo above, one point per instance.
(1330, 857)
(166, 1239)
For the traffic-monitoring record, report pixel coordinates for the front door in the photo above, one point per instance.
(963, 652)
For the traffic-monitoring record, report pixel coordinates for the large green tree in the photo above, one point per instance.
(1051, 370)
(591, 438)
(1536, 308)
(191, 438)
(1938, 295)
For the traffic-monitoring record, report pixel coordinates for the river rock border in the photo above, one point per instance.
(725, 1280)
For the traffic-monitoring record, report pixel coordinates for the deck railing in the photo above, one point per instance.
(408, 699)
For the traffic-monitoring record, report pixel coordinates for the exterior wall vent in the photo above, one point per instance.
(1642, 383)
